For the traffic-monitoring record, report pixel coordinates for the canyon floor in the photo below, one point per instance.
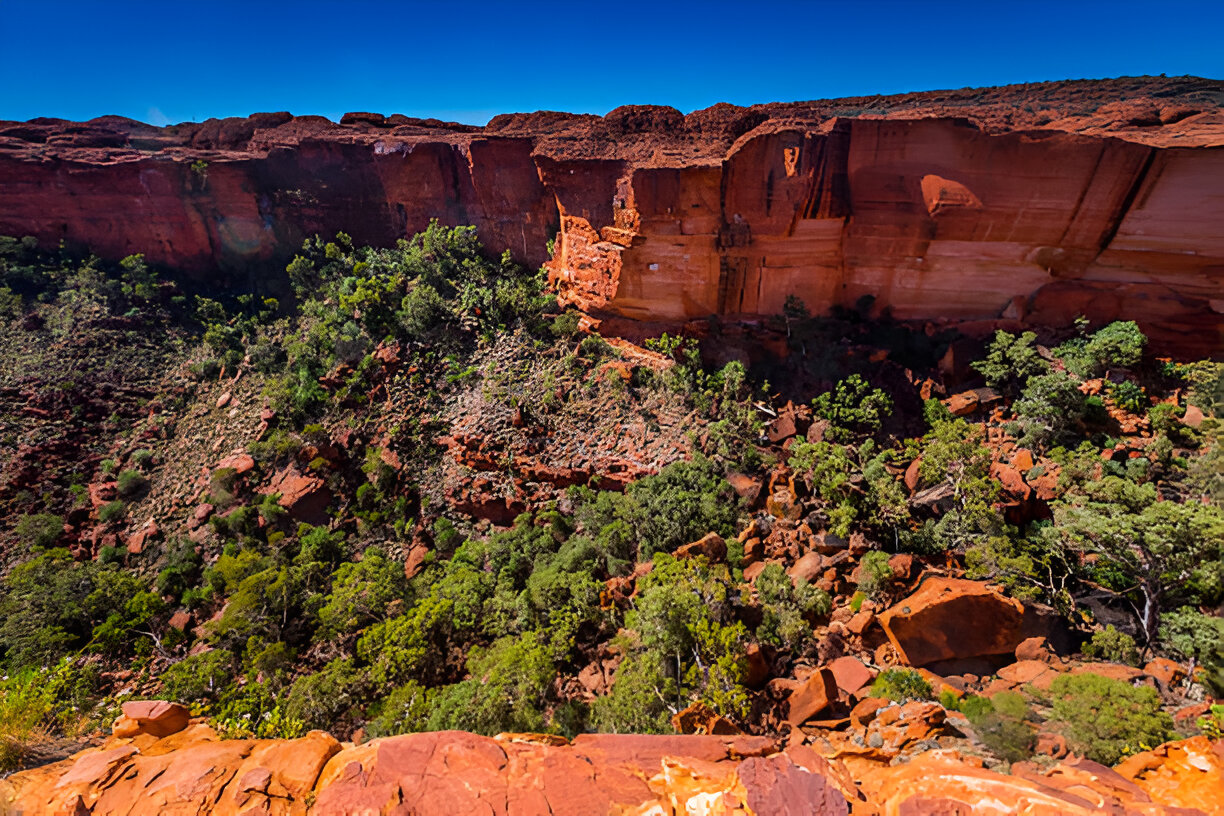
(395, 523)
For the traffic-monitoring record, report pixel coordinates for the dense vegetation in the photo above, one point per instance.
(341, 622)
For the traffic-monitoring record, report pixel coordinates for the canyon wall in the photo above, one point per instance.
(1024, 204)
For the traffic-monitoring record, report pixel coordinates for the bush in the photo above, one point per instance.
(900, 685)
(182, 571)
(1118, 345)
(25, 715)
(112, 511)
(875, 575)
(131, 482)
(1048, 411)
(202, 676)
(1191, 635)
(1011, 362)
(322, 699)
(404, 711)
(506, 690)
(30, 700)
(1129, 397)
(1112, 645)
(40, 530)
(361, 593)
(853, 407)
(683, 502)
(786, 607)
(1001, 723)
(1106, 719)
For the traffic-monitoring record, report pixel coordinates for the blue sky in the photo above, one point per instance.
(182, 60)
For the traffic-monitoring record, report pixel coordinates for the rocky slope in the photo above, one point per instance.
(158, 762)
(1029, 203)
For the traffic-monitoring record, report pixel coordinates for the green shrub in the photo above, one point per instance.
(565, 325)
(182, 571)
(1211, 724)
(142, 458)
(1130, 397)
(112, 511)
(659, 513)
(1048, 411)
(361, 593)
(203, 676)
(875, 575)
(595, 348)
(900, 685)
(1191, 635)
(39, 704)
(1011, 362)
(131, 482)
(1112, 645)
(404, 711)
(1107, 719)
(506, 690)
(322, 699)
(1117, 345)
(40, 530)
(1001, 723)
(26, 708)
(786, 607)
(853, 407)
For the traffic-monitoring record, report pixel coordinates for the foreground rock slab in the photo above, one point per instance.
(450, 772)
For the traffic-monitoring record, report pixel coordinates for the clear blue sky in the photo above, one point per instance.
(181, 60)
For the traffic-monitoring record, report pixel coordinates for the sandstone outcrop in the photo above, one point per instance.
(454, 772)
(1024, 204)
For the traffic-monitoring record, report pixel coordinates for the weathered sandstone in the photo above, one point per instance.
(453, 772)
(1024, 204)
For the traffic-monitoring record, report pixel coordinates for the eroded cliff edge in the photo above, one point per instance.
(1027, 203)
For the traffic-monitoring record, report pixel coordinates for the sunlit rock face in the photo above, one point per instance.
(1024, 204)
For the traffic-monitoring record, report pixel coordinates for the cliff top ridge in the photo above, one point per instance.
(1155, 111)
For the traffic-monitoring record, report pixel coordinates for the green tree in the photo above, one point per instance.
(1011, 362)
(1161, 554)
(1119, 345)
(1048, 411)
(853, 407)
(507, 689)
(362, 592)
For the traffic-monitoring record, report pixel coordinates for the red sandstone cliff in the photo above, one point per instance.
(1031, 203)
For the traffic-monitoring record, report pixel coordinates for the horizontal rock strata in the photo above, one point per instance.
(1026, 204)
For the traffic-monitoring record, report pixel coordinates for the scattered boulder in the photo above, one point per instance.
(699, 718)
(711, 545)
(851, 675)
(818, 691)
(305, 497)
(807, 568)
(155, 717)
(953, 619)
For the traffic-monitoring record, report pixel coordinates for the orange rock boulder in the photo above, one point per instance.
(954, 619)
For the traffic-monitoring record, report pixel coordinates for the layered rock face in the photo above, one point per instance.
(1027, 203)
(449, 772)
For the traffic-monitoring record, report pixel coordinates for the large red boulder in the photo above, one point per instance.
(816, 694)
(305, 496)
(953, 619)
